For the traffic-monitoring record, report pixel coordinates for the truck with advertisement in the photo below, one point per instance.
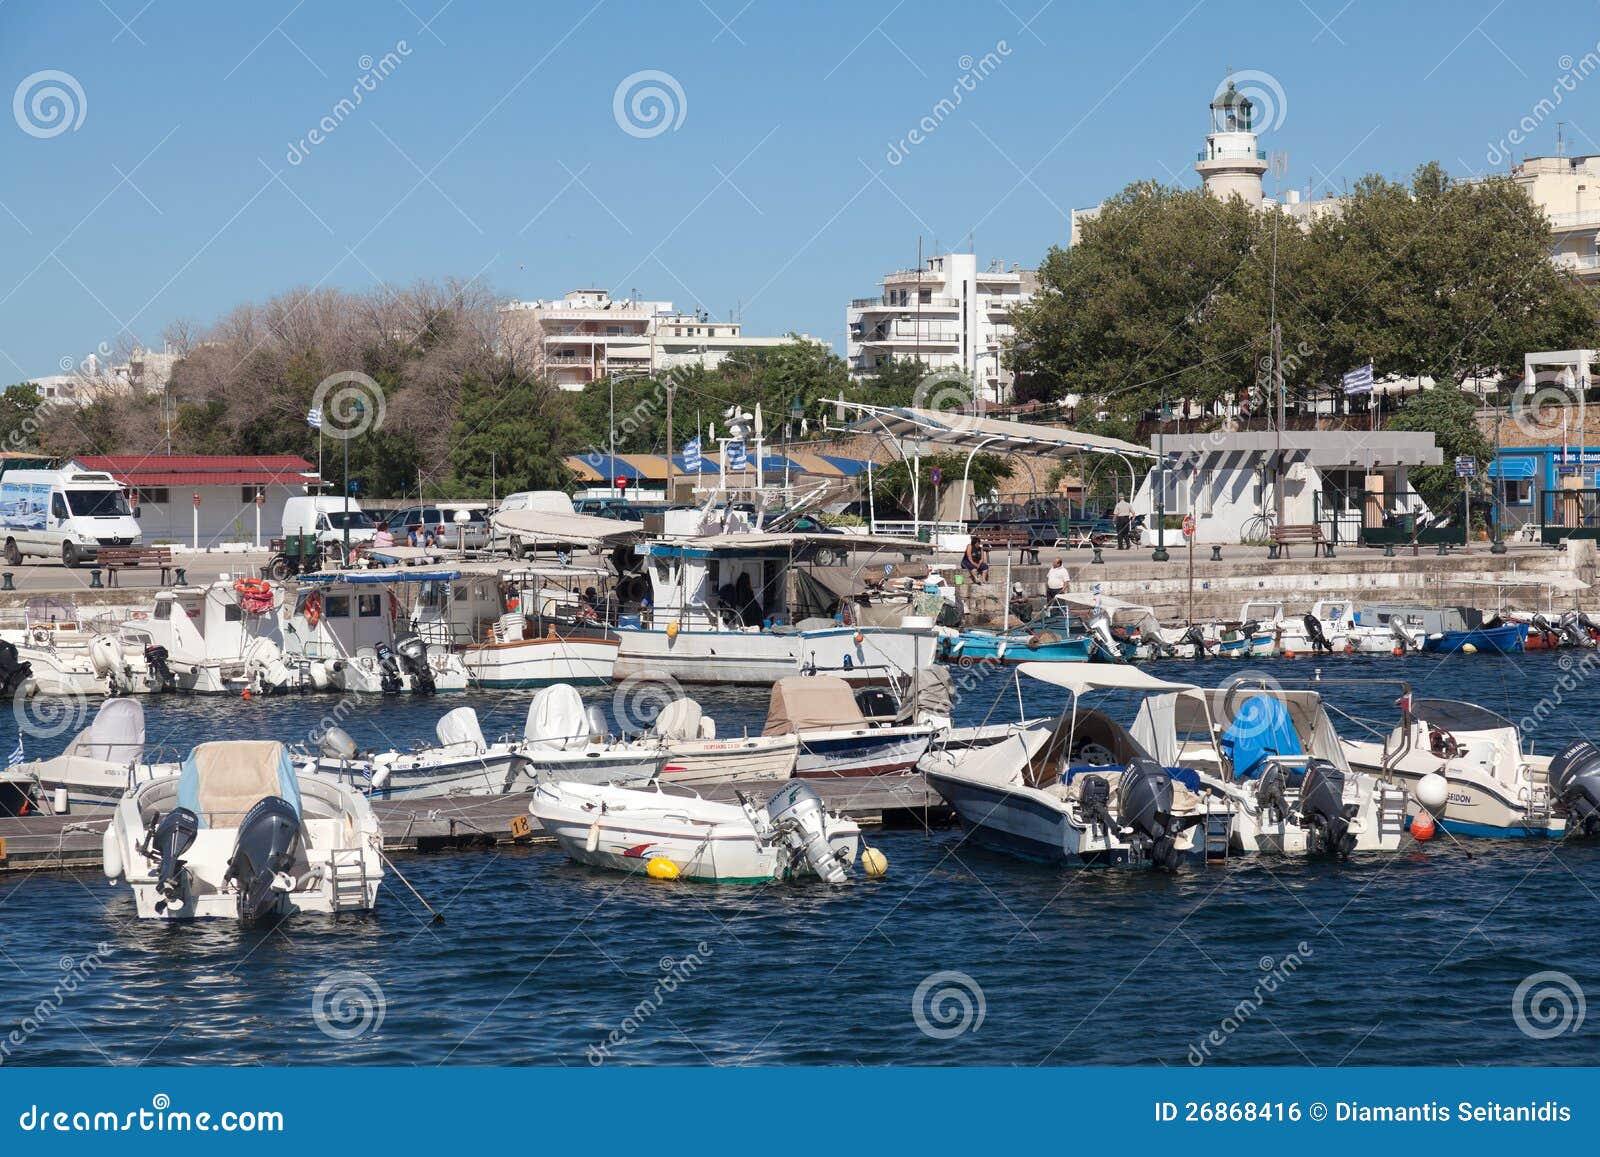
(66, 513)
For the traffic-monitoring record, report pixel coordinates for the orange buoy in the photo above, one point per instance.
(245, 693)
(1399, 651)
(1422, 827)
(1288, 654)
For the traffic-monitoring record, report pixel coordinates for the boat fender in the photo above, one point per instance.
(672, 631)
(380, 776)
(859, 638)
(592, 843)
(1000, 649)
(661, 868)
(1468, 649)
(1433, 792)
(874, 863)
(111, 854)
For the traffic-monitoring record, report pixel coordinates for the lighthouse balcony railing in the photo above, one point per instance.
(1231, 154)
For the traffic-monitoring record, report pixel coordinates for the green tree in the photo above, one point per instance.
(19, 417)
(1451, 417)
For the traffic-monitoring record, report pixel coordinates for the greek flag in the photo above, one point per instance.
(1359, 380)
(691, 456)
(17, 756)
(314, 418)
(736, 457)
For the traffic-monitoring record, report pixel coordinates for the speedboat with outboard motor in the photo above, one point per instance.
(1486, 782)
(353, 631)
(836, 736)
(1575, 784)
(672, 835)
(237, 833)
(70, 655)
(696, 754)
(103, 762)
(1076, 789)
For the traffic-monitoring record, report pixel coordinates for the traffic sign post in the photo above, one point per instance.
(1466, 470)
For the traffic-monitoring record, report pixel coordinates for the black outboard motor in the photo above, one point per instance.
(1197, 638)
(388, 670)
(1273, 788)
(155, 658)
(14, 671)
(1322, 809)
(268, 838)
(1094, 796)
(1144, 804)
(1575, 776)
(1589, 626)
(1570, 628)
(1319, 641)
(165, 841)
(413, 654)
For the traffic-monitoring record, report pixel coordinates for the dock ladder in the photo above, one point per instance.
(1391, 810)
(348, 879)
(1540, 806)
(1217, 835)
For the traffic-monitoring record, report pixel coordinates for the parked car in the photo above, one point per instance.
(473, 535)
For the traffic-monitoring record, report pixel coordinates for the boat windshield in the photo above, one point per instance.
(1451, 715)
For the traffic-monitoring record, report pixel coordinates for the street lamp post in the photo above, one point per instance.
(1160, 554)
(797, 411)
(1499, 467)
(358, 410)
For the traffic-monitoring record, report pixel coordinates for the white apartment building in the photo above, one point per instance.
(588, 335)
(1568, 190)
(949, 315)
(145, 370)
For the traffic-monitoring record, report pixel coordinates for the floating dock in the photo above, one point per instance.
(49, 842)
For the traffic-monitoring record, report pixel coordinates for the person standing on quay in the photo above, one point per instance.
(1123, 516)
(1056, 580)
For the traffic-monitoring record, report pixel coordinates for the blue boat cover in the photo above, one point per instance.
(189, 784)
(1261, 728)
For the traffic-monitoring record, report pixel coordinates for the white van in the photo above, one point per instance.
(65, 514)
(327, 516)
(550, 501)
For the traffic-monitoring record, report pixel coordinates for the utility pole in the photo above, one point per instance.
(670, 389)
(1160, 554)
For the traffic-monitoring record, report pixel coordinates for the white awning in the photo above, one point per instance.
(972, 431)
(1081, 677)
(575, 529)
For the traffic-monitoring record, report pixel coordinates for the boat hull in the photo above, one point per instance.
(730, 760)
(1505, 640)
(1477, 804)
(860, 654)
(866, 751)
(540, 662)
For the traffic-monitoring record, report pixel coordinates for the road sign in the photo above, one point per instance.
(1466, 467)
(936, 475)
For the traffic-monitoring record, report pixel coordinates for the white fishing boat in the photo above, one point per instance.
(524, 626)
(69, 655)
(1493, 786)
(353, 631)
(221, 638)
(237, 833)
(836, 738)
(673, 835)
(696, 754)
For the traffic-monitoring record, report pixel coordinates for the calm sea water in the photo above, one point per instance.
(959, 956)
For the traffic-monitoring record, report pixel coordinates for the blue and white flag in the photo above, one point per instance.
(736, 456)
(314, 418)
(17, 756)
(1359, 380)
(691, 456)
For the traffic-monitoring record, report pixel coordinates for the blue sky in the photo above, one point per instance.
(782, 186)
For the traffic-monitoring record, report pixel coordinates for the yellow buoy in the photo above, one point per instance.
(672, 631)
(1468, 649)
(874, 863)
(661, 868)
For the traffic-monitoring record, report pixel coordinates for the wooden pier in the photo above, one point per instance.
(455, 823)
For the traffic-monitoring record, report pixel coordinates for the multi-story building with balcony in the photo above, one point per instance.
(1568, 190)
(949, 315)
(588, 335)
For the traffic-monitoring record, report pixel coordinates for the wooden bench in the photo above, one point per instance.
(1285, 536)
(1020, 541)
(120, 558)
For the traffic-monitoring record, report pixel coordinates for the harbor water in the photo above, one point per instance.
(958, 956)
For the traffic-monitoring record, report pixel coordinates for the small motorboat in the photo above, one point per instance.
(238, 834)
(564, 742)
(1032, 643)
(670, 835)
(696, 754)
(1076, 789)
(835, 736)
(103, 762)
(1491, 786)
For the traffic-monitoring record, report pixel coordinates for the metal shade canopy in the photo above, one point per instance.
(972, 432)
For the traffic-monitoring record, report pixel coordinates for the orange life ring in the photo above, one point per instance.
(253, 586)
(313, 609)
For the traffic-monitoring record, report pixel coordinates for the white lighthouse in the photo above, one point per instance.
(1232, 165)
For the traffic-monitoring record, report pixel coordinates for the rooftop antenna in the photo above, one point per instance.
(1561, 138)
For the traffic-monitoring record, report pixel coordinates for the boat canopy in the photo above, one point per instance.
(1099, 677)
(678, 720)
(557, 720)
(760, 543)
(379, 577)
(116, 735)
(404, 555)
(221, 782)
(812, 703)
(459, 732)
(559, 527)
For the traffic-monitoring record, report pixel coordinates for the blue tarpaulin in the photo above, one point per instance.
(1261, 728)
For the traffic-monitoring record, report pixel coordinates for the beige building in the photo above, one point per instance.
(588, 335)
(1568, 190)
